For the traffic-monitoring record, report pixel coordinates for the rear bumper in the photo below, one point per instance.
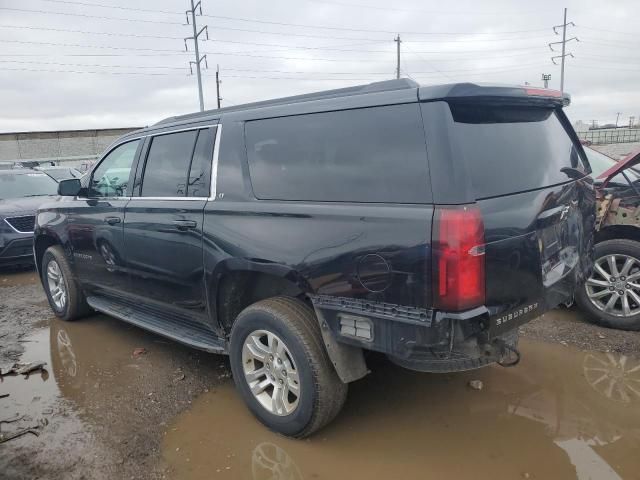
(423, 339)
(16, 249)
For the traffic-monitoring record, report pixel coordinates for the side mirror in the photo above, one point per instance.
(69, 187)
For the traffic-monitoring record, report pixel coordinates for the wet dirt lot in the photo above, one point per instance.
(117, 402)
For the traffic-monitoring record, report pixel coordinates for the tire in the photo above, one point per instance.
(321, 394)
(74, 305)
(623, 249)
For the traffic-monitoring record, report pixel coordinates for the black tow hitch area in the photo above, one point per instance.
(466, 346)
(509, 354)
(504, 348)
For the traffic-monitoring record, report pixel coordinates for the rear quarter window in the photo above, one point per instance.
(373, 154)
(512, 149)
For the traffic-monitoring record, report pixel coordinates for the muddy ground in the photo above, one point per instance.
(117, 402)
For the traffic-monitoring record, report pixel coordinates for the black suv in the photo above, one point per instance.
(426, 223)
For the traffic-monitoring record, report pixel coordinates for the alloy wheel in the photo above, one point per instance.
(271, 372)
(57, 285)
(614, 286)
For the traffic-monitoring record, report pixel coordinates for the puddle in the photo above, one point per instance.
(104, 406)
(561, 413)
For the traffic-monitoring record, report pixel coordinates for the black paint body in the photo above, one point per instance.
(370, 259)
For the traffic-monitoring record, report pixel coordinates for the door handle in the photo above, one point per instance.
(112, 220)
(184, 225)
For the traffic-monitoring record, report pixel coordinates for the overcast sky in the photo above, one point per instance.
(69, 64)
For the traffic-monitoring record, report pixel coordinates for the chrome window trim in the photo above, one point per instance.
(182, 199)
(199, 127)
(103, 198)
(20, 216)
(213, 188)
(214, 163)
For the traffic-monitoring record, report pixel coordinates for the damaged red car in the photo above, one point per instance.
(611, 296)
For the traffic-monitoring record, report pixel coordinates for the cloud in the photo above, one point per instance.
(140, 80)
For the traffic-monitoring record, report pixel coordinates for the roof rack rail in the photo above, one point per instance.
(386, 85)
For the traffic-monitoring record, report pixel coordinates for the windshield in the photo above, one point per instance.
(21, 185)
(600, 163)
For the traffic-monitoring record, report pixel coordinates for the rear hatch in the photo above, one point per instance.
(515, 158)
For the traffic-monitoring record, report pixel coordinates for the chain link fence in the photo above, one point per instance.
(607, 136)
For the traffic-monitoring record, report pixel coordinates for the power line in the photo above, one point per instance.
(478, 70)
(365, 30)
(84, 15)
(436, 12)
(116, 7)
(607, 43)
(635, 34)
(244, 54)
(601, 67)
(288, 24)
(159, 67)
(176, 75)
(285, 46)
(109, 34)
(429, 64)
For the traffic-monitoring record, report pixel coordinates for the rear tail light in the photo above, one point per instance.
(458, 258)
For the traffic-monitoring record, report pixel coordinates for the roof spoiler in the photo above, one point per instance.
(508, 95)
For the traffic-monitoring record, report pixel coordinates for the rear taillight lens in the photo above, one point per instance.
(458, 258)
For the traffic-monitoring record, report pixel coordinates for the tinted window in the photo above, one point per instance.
(167, 167)
(200, 173)
(111, 177)
(18, 185)
(512, 149)
(366, 155)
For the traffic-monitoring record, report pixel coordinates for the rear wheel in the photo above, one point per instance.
(611, 296)
(64, 295)
(281, 368)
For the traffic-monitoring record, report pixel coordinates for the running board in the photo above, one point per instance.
(180, 329)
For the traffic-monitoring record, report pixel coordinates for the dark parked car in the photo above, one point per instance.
(21, 192)
(426, 223)
(611, 296)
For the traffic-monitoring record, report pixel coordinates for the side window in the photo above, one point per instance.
(167, 168)
(200, 172)
(111, 177)
(373, 154)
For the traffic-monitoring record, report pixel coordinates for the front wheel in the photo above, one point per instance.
(65, 297)
(281, 368)
(611, 296)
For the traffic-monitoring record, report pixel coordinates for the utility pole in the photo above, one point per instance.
(617, 118)
(631, 121)
(196, 34)
(398, 42)
(564, 44)
(218, 82)
(594, 124)
(546, 77)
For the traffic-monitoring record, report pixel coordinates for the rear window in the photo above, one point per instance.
(513, 149)
(366, 155)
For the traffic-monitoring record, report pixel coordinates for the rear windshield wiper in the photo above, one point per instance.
(573, 173)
